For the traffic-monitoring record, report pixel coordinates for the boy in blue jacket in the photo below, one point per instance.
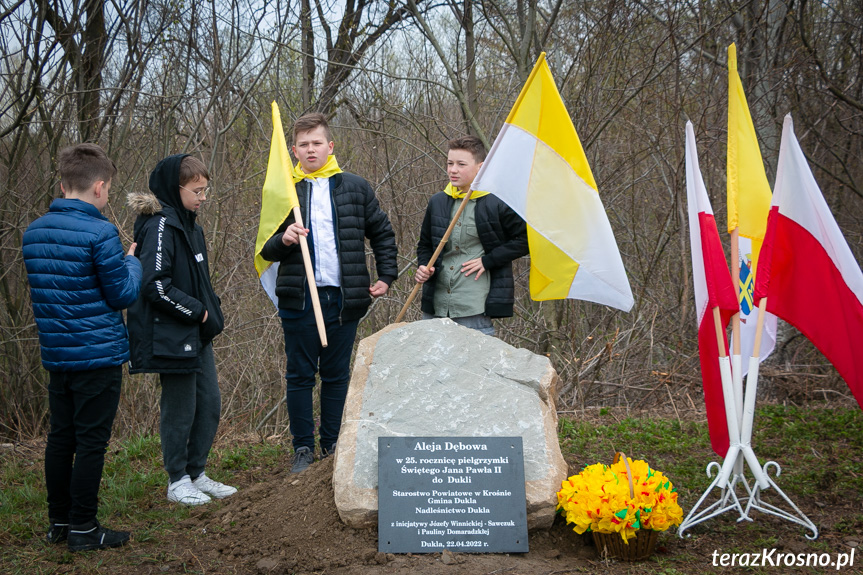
(80, 279)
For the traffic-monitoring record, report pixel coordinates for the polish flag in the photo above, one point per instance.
(713, 288)
(807, 271)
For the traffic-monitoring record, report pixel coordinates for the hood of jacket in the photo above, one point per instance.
(163, 195)
(165, 182)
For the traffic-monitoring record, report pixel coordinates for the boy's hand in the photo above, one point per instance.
(131, 251)
(380, 288)
(471, 266)
(206, 315)
(423, 274)
(293, 233)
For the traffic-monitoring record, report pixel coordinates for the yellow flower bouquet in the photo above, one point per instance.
(619, 498)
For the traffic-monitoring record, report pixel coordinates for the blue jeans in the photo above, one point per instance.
(189, 417)
(306, 357)
(83, 405)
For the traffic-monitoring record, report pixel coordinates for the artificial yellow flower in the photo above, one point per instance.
(598, 499)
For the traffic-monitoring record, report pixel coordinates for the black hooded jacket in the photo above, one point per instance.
(166, 333)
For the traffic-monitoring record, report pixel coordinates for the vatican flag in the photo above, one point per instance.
(538, 167)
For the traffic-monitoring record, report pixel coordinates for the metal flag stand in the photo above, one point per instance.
(730, 475)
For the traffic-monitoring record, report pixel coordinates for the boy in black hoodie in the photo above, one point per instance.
(173, 323)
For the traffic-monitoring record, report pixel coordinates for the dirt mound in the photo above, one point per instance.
(287, 523)
(283, 524)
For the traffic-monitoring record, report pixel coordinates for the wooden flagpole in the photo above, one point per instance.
(736, 360)
(310, 277)
(735, 279)
(436, 253)
(759, 327)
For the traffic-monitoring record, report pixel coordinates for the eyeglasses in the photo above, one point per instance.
(204, 192)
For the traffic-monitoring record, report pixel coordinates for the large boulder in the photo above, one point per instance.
(436, 378)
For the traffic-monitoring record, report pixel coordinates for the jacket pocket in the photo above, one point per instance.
(174, 340)
(215, 319)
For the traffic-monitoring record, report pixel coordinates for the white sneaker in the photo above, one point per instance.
(185, 492)
(214, 488)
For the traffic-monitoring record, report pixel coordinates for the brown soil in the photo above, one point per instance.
(282, 523)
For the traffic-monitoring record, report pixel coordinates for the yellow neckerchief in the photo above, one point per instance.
(453, 192)
(331, 168)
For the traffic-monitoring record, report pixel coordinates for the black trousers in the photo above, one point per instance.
(83, 405)
(189, 417)
(306, 357)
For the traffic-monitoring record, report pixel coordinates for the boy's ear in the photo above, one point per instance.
(97, 188)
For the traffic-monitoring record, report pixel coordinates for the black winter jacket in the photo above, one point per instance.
(503, 235)
(165, 330)
(357, 215)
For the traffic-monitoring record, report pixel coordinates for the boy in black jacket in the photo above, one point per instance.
(173, 323)
(472, 281)
(340, 211)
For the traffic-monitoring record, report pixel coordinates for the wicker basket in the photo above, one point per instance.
(638, 549)
(612, 545)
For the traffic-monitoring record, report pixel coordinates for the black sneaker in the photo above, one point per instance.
(303, 457)
(57, 532)
(93, 536)
(327, 451)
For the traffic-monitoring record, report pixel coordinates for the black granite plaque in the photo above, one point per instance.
(465, 494)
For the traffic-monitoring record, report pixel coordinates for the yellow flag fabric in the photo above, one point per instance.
(538, 167)
(749, 199)
(748, 190)
(279, 196)
(454, 192)
(331, 168)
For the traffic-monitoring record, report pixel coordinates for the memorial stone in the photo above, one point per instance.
(434, 378)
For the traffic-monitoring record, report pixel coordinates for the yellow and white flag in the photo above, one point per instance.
(278, 198)
(748, 206)
(538, 167)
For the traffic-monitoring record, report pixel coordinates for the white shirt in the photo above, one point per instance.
(323, 233)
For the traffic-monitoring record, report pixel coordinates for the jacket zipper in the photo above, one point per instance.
(338, 247)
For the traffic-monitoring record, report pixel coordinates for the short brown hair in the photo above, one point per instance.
(191, 168)
(470, 144)
(82, 165)
(310, 121)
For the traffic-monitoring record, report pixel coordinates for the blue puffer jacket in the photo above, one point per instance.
(80, 278)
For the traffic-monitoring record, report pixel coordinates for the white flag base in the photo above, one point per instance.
(730, 474)
(751, 500)
(755, 502)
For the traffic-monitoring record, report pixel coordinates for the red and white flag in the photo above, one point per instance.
(807, 271)
(713, 288)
